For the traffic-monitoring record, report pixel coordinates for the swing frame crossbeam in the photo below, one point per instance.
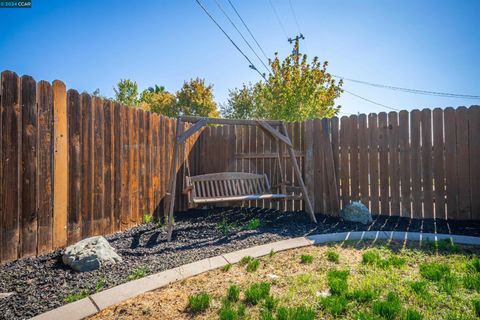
(275, 129)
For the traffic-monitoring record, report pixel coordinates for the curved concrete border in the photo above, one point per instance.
(89, 306)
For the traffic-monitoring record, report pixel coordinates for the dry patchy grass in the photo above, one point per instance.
(296, 284)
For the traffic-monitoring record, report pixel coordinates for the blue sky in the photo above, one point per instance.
(429, 45)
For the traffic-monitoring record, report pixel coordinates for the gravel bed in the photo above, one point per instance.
(41, 284)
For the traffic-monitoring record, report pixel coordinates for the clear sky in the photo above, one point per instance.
(429, 44)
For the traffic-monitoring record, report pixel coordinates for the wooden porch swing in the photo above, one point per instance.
(232, 186)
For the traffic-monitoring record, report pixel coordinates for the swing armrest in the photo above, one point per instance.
(187, 189)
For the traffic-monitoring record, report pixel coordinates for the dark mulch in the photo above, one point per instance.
(42, 283)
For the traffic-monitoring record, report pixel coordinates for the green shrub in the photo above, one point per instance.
(233, 293)
(270, 303)
(389, 308)
(455, 315)
(337, 282)
(256, 292)
(241, 311)
(476, 307)
(434, 271)
(253, 265)
(419, 287)
(335, 305)
(245, 260)
(363, 295)
(306, 258)
(227, 267)
(298, 313)
(138, 273)
(199, 302)
(147, 218)
(472, 282)
(253, 224)
(74, 296)
(332, 256)
(411, 314)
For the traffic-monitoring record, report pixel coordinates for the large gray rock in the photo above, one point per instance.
(90, 254)
(356, 212)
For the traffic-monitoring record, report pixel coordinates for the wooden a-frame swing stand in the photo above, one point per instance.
(275, 129)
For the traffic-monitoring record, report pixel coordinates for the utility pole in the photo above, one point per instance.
(296, 46)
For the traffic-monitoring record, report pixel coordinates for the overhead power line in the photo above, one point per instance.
(414, 91)
(278, 19)
(241, 34)
(371, 101)
(294, 16)
(248, 29)
(252, 66)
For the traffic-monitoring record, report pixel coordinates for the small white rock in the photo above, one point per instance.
(272, 276)
(6, 294)
(323, 294)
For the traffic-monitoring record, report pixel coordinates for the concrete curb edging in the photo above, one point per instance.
(89, 306)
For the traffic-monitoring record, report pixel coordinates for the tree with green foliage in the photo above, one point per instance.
(295, 90)
(159, 100)
(126, 92)
(195, 98)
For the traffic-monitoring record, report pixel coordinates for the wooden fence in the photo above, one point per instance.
(73, 165)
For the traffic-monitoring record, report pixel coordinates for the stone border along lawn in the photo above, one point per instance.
(100, 301)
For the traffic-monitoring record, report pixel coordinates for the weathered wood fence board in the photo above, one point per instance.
(73, 165)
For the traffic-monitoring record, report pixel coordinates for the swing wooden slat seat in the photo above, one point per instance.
(229, 187)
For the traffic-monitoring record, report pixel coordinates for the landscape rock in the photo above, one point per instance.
(6, 294)
(356, 212)
(90, 254)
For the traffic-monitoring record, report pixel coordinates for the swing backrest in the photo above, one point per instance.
(228, 184)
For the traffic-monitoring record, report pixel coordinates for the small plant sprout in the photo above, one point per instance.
(138, 273)
(306, 258)
(253, 265)
(257, 292)
(389, 308)
(363, 295)
(199, 302)
(225, 227)
(233, 293)
(253, 224)
(227, 267)
(434, 271)
(245, 260)
(272, 253)
(270, 303)
(332, 256)
(74, 296)
(296, 313)
(472, 282)
(476, 307)
(335, 305)
(100, 284)
(337, 282)
(412, 314)
(419, 287)
(147, 218)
